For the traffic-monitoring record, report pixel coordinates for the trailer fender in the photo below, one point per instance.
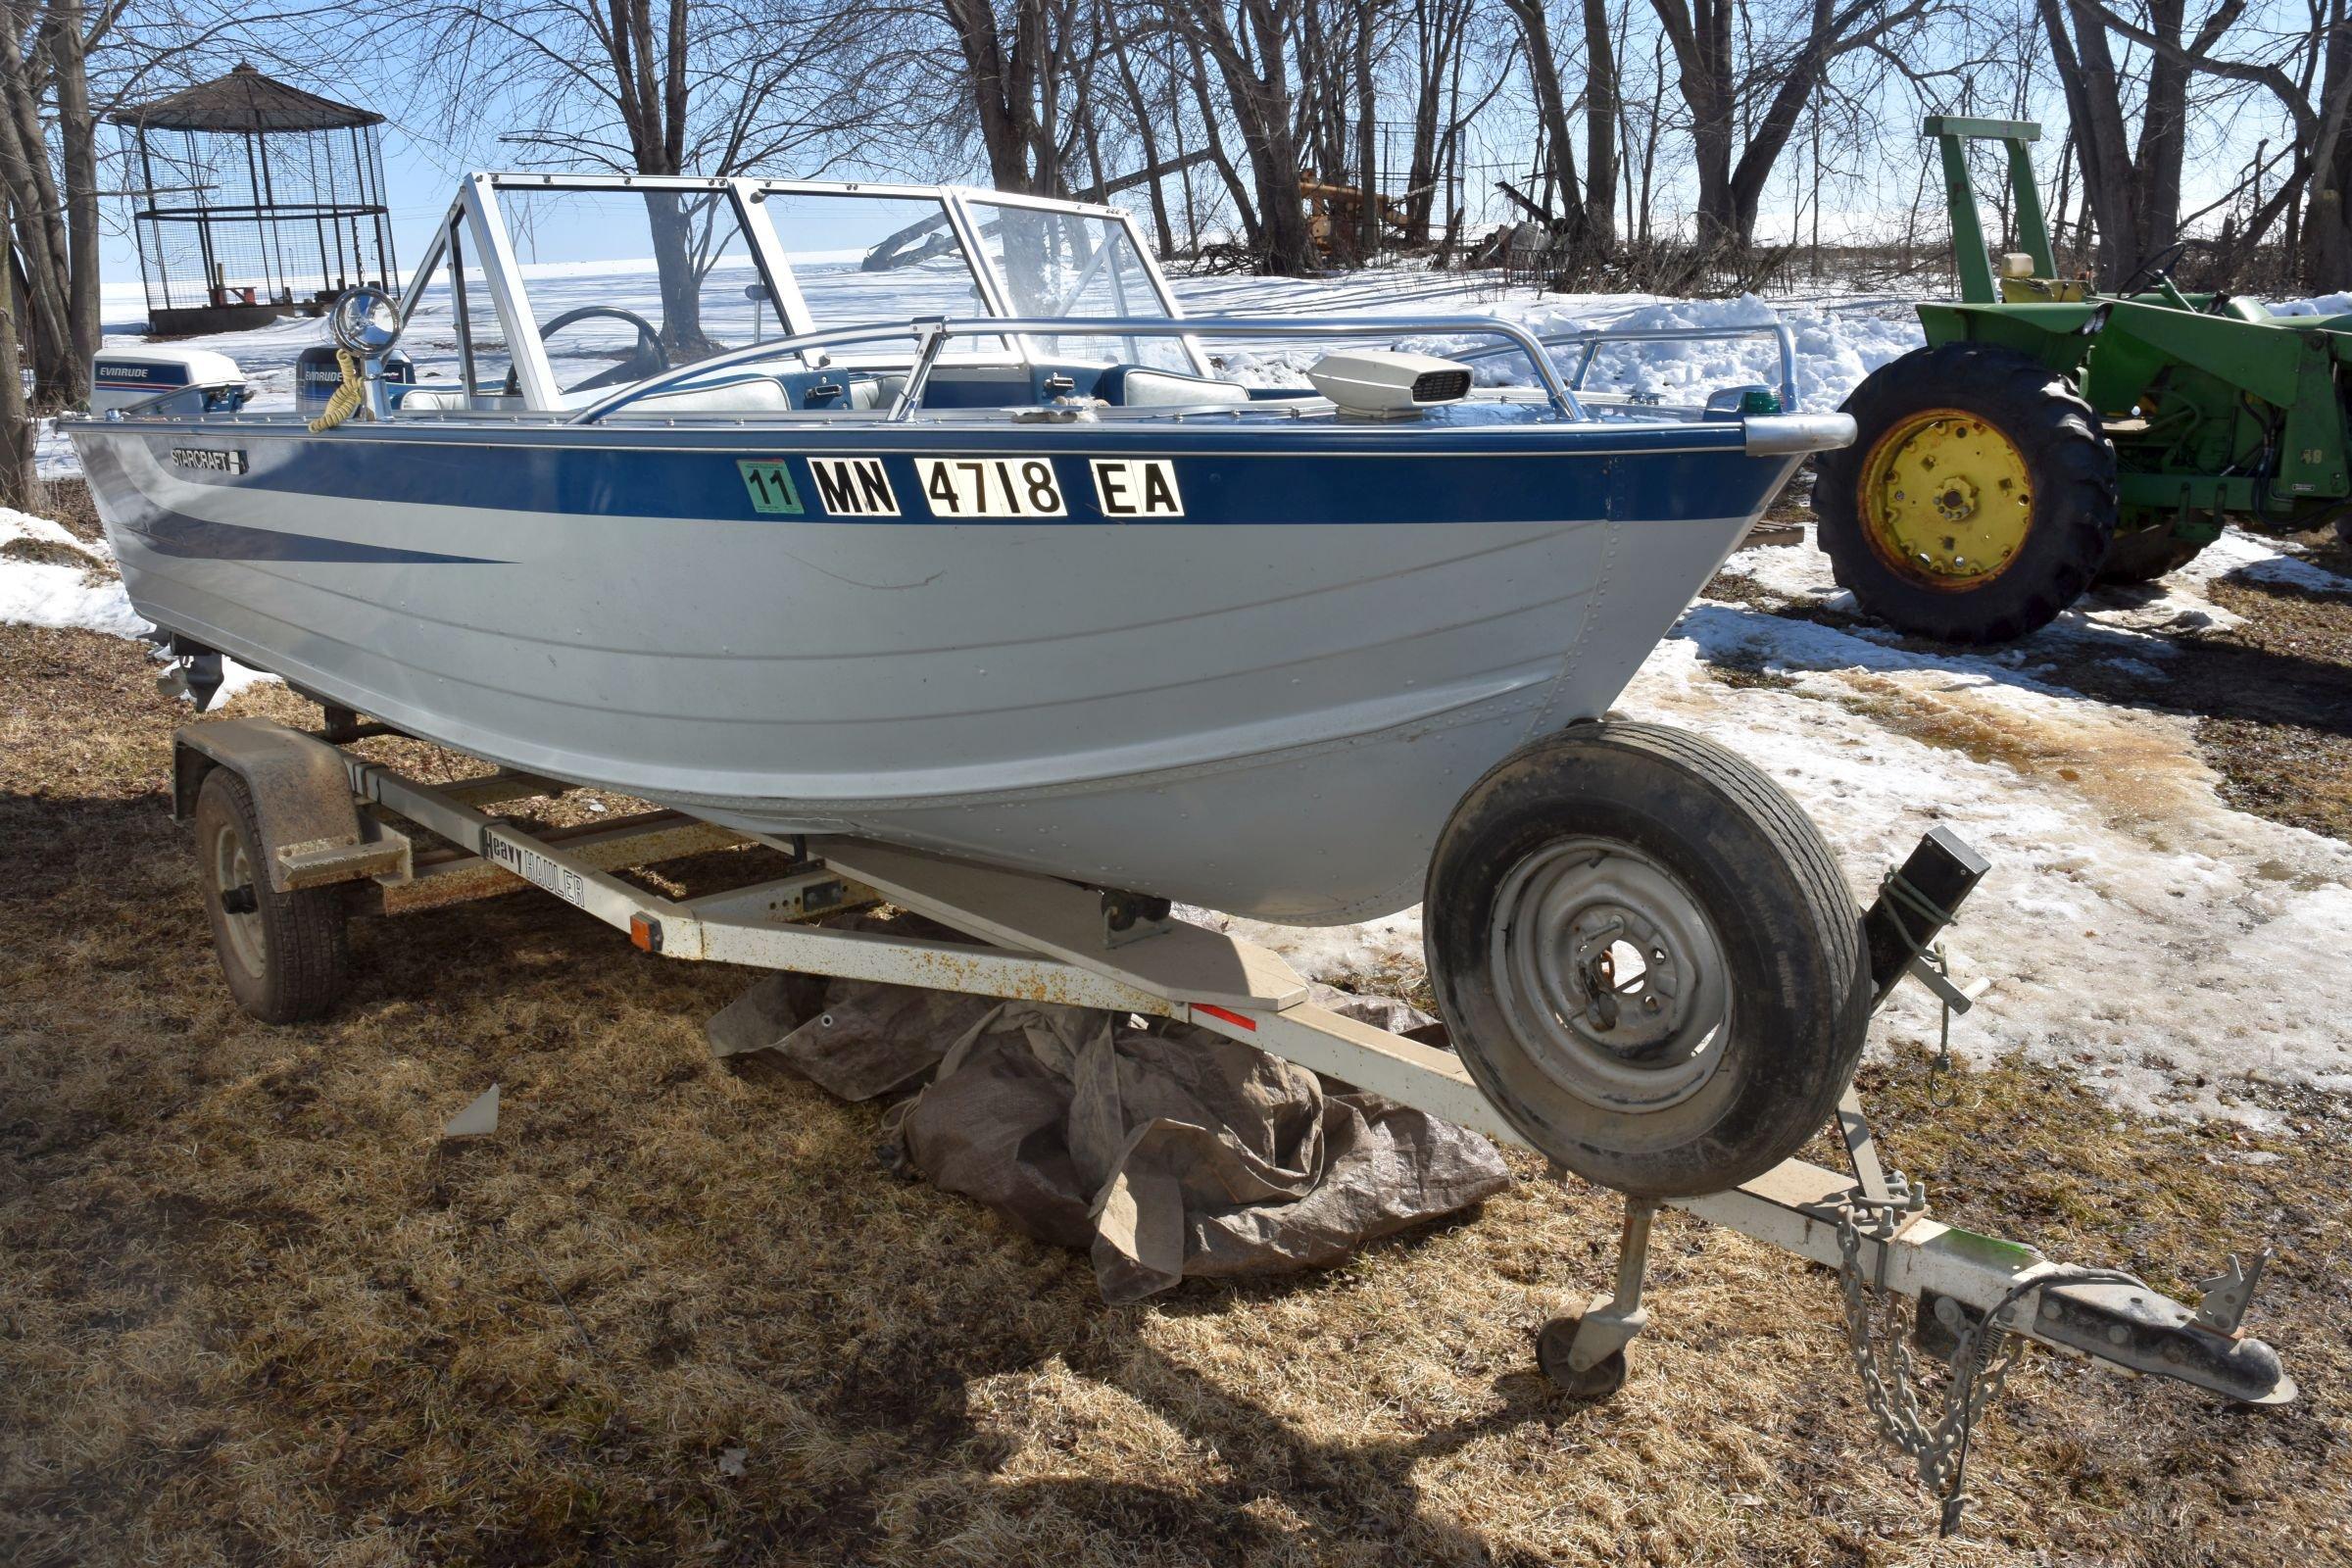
(310, 821)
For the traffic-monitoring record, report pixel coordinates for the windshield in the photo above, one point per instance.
(1077, 264)
(857, 259)
(625, 283)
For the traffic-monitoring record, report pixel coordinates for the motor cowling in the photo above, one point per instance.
(186, 380)
(318, 373)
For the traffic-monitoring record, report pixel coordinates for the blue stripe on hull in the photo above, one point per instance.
(170, 533)
(1225, 475)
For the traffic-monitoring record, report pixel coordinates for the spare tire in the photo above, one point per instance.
(1648, 957)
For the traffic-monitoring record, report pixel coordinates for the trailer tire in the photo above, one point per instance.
(2020, 422)
(2147, 553)
(1727, 1050)
(286, 957)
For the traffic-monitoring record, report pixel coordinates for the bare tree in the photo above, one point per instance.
(1746, 102)
(1589, 210)
(652, 87)
(2309, 75)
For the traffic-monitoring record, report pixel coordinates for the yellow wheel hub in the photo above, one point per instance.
(1946, 499)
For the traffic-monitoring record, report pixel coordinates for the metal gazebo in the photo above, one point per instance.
(254, 200)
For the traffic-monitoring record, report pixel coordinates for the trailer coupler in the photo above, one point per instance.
(2134, 1327)
(1979, 1298)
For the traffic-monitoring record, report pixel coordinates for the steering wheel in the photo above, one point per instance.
(646, 358)
(2158, 266)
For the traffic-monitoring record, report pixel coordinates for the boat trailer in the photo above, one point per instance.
(327, 816)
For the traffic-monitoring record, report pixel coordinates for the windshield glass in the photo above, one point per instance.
(625, 283)
(857, 259)
(1076, 263)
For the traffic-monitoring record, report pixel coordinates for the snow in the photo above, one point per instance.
(53, 593)
(2179, 954)
(2174, 953)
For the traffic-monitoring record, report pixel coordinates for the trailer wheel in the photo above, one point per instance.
(1600, 1380)
(1978, 500)
(285, 956)
(1648, 957)
(2147, 553)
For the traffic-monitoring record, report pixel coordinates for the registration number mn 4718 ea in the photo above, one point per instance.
(1125, 489)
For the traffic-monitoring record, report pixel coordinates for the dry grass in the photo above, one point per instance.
(251, 1311)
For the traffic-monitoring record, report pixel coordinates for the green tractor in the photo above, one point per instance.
(2050, 436)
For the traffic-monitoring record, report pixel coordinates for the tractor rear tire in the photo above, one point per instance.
(2048, 459)
(2147, 553)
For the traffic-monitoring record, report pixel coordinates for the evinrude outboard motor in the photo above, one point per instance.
(365, 322)
(188, 380)
(317, 373)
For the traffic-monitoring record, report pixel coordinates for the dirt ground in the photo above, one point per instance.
(253, 1311)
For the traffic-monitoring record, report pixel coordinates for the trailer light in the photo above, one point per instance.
(645, 934)
(1237, 1020)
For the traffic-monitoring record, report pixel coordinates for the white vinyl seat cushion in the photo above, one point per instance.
(1164, 389)
(756, 394)
(433, 400)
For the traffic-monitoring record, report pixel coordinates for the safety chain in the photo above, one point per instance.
(1881, 1353)
(1902, 894)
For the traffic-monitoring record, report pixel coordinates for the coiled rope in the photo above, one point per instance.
(348, 397)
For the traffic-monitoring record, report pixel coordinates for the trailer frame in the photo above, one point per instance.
(1039, 938)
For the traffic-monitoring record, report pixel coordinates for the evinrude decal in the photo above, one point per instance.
(211, 460)
(1137, 487)
(854, 487)
(991, 487)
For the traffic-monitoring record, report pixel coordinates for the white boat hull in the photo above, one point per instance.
(1270, 718)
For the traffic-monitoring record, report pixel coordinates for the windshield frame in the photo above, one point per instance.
(477, 209)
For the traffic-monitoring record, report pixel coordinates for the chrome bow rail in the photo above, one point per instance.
(1593, 339)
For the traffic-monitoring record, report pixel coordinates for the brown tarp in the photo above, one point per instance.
(1166, 1152)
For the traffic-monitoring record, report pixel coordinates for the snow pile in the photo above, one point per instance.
(50, 579)
(2322, 305)
(2136, 928)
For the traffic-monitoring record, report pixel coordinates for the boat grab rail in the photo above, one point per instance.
(932, 334)
(1594, 339)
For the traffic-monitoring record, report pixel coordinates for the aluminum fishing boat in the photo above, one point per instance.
(924, 514)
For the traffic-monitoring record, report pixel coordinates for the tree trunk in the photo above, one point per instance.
(2090, 80)
(1602, 106)
(77, 137)
(1257, 84)
(1367, 133)
(2326, 249)
(18, 484)
(1552, 108)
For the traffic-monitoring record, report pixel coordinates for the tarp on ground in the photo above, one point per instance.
(1166, 1152)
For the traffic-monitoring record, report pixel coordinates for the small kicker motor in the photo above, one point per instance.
(173, 380)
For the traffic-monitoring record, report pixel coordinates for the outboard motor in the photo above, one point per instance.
(188, 380)
(316, 375)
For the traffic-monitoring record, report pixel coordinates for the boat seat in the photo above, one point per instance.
(751, 394)
(433, 400)
(1139, 386)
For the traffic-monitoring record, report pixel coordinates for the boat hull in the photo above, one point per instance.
(1265, 704)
